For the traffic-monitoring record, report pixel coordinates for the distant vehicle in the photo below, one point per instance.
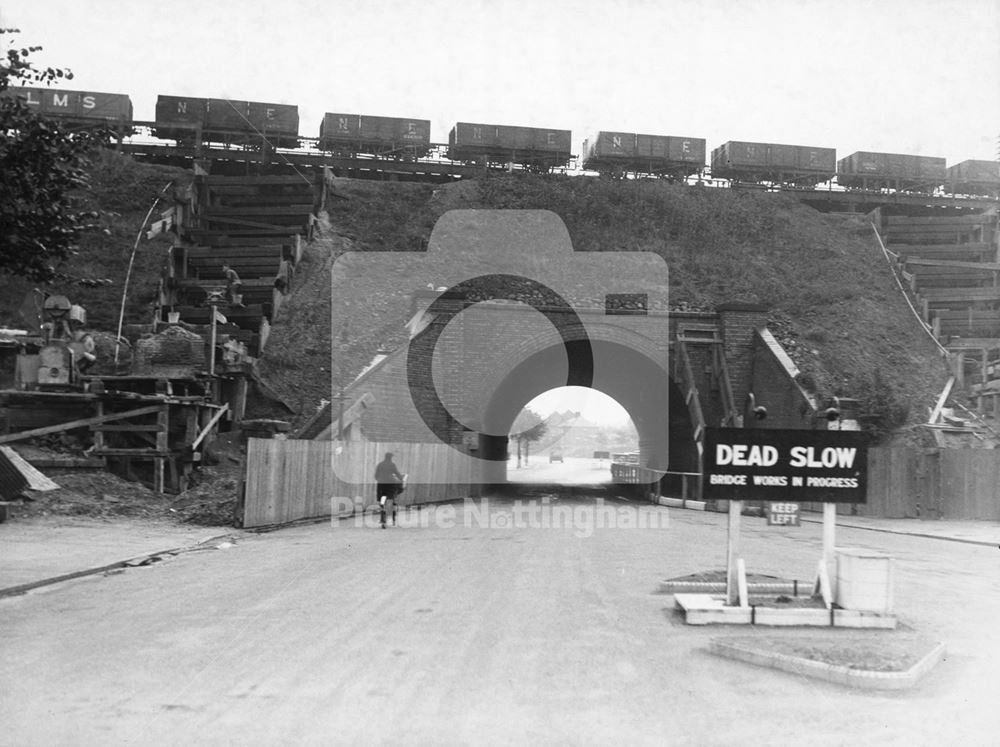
(555, 457)
(630, 457)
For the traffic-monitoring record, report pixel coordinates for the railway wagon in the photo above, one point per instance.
(647, 154)
(382, 136)
(534, 148)
(975, 178)
(772, 162)
(867, 170)
(186, 118)
(78, 107)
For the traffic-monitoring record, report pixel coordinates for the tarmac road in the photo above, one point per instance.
(461, 627)
(571, 471)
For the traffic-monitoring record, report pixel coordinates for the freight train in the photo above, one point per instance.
(188, 120)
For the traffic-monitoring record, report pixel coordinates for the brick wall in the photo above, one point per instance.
(774, 388)
(739, 322)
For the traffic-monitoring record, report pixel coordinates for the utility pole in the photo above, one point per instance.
(342, 379)
(215, 299)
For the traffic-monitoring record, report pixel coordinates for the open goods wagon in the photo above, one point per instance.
(771, 162)
(975, 178)
(645, 154)
(187, 118)
(382, 136)
(78, 107)
(532, 147)
(867, 170)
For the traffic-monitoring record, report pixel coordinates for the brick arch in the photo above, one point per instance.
(493, 372)
(638, 381)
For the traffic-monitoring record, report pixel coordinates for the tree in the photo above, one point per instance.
(43, 166)
(528, 426)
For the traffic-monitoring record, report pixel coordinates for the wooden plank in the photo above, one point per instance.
(137, 452)
(223, 181)
(36, 480)
(945, 393)
(943, 230)
(152, 428)
(208, 427)
(954, 329)
(222, 252)
(890, 488)
(67, 463)
(241, 236)
(261, 210)
(203, 313)
(223, 241)
(950, 294)
(301, 200)
(905, 248)
(950, 274)
(924, 220)
(207, 220)
(984, 266)
(252, 267)
(201, 284)
(77, 424)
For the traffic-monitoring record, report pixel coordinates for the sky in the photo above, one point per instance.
(905, 76)
(592, 405)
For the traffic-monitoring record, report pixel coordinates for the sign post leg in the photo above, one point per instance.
(826, 578)
(829, 533)
(733, 552)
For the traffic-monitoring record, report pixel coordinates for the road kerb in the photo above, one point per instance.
(136, 560)
(862, 678)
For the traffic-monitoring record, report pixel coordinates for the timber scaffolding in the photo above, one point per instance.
(257, 225)
(190, 368)
(156, 439)
(951, 266)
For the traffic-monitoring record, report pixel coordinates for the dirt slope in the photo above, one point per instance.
(122, 192)
(834, 303)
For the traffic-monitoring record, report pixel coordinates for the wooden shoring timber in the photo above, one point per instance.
(983, 266)
(262, 210)
(942, 295)
(223, 181)
(908, 220)
(208, 427)
(162, 445)
(225, 252)
(36, 480)
(239, 237)
(156, 443)
(82, 423)
(270, 227)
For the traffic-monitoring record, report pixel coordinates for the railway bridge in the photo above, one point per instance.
(501, 309)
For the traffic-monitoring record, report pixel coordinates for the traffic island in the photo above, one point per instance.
(780, 610)
(714, 582)
(883, 662)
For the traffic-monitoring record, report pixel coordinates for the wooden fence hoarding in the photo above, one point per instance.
(296, 479)
(288, 480)
(930, 484)
(970, 484)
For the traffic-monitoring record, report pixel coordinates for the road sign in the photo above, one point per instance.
(763, 464)
(783, 514)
